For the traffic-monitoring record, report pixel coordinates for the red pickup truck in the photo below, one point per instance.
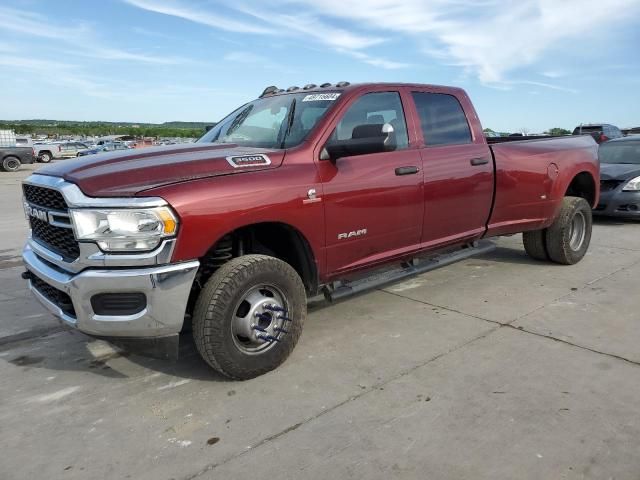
(297, 192)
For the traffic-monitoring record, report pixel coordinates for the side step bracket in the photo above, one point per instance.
(338, 290)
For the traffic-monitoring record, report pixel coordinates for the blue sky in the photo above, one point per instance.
(531, 64)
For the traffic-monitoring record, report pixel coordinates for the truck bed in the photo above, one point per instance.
(529, 173)
(492, 140)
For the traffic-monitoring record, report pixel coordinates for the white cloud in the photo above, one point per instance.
(544, 85)
(176, 9)
(553, 74)
(489, 39)
(28, 23)
(116, 54)
(311, 27)
(80, 38)
(374, 61)
(275, 21)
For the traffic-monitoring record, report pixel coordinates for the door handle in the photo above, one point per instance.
(479, 161)
(406, 170)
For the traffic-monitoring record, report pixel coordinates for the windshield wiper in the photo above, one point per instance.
(292, 111)
(238, 120)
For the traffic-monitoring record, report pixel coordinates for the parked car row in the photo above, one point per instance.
(105, 147)
(45, 152)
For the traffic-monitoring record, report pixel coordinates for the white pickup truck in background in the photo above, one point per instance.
(45, 152)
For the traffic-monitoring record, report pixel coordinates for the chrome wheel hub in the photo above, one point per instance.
(259, 320)
(578, 231)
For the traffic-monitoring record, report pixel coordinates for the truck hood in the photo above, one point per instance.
(129, 172)
(619, 171)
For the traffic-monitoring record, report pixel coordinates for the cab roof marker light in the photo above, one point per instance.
(325, 85)
(293, 88)
(309, 86)
(342, 84)
(269, 90)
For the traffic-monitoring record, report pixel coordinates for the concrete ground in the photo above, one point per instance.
(498, 367)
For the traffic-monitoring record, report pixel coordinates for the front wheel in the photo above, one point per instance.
(568, 237)
(249, 316)
(11, 164)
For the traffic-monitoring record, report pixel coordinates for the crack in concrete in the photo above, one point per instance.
(542, 335)
(352, 398)
(448, 309)
(566, 342)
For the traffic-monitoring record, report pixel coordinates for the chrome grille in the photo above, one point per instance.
(44, 197)
(57, 238)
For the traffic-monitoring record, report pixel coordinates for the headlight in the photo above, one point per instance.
(125, 229)
(632, 185)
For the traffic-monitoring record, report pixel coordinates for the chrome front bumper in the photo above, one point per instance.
(166, 288)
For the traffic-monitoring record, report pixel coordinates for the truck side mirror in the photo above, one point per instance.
(365, 139)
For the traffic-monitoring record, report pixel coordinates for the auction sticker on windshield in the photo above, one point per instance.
(317, 97)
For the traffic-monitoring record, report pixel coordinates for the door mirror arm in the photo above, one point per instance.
(324, 154)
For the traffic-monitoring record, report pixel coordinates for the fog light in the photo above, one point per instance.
(118, 304)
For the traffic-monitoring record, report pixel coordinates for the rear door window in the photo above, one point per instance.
(442, 119)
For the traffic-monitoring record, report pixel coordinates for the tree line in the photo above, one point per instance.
(101, 129)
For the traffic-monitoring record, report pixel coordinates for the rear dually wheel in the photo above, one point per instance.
(568, 237)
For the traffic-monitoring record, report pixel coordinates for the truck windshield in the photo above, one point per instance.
(620, 152)
(280, 121)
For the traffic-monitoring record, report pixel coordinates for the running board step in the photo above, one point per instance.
(339, 290)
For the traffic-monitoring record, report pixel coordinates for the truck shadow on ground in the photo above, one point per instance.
(71, 351)
(615, 221)
(512, 255)
(65, 349)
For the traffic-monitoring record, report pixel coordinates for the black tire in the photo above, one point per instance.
(11, 164)
(566, 242)
(44, 157)
(535, 244)
(216, 307)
